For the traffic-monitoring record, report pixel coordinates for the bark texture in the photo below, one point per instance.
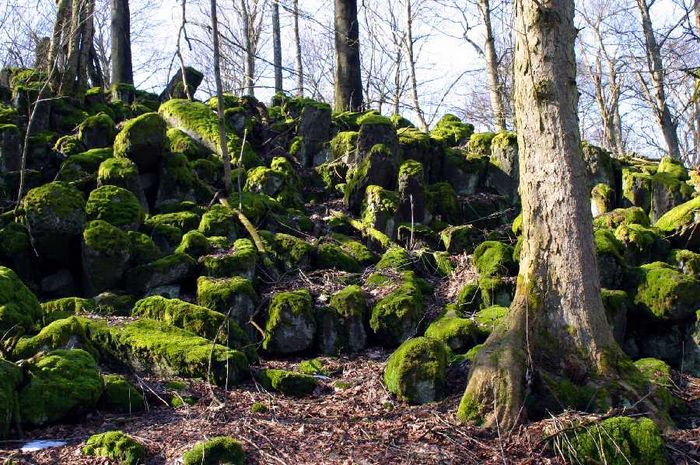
(412, 66)
(277, 46)
(122, 71)
(556, 331)
(348, 72)
(491, 59)
(220, 98)
(250, 46)
(297, 42)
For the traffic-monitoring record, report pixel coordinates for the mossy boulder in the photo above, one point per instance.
(617, 306)
(176, 182)
(68, 333)
(54, 215)
(458, 239)
(496, 291)
(121, 172)
(493, 258)
(234, 297)
(459, 334)
(219, 221)
(142, 249)
(221, 450)
(666, 294)
(65, 307)
(115, 205)
(179, 142)
(395, 318)
(602, 199)
(239, 260)
(153, 347)
(80, 170)
(63, 384)
(286, 382)
(120, 396)
(681, 225)
(415, 372)
(117, 446)
(291, 323)
(610, 258)
(10, 379)
(636, 188)
(19, 308)
(480, 143)
(291, 252)
(331, 255)
(378, 168)
(341, 325)
(105, 255)
(686, 261)
(142, 140)
(451, 131)
(642, 244)
(170, 269)
(620, 216)
(616, 441)
(343, 146)
(490, 318)
(441, 201)
(395, 258)
(97, 131)
(380, 210)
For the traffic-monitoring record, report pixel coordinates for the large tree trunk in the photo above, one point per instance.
(658, 93)
(122, 71)
(297, 43)
(348, 71)
(491, 58)
(220, 98)
(556, 330)
(277, 46)
(412, 66)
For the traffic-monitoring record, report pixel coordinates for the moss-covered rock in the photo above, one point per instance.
(65, 307)
(686, 261)
(291, 323)
(19, 308)
(10, 379)
(616, 441)
(142, 140)
(666, 294)
(149, 346)
(105, 255)
(291, 252)
(54, 215)
(68, 333)
(378, 168)
(681, 224)
(286, 382)
(642, 244)
(121, 172)
(117, 446)
(333, 256)
(219, 221)
(116, 206)
(62, 384)
(216, 451)
(395, 258)
(341, 325)
(344, 146)
(480, 143)
(451, 131)
(415, 372)
(496, 291)
(380, 210)
(97, 131)
(493, 258)
(240, 260)
(458, 239)
(395, 318)
(179, 142)
(142, 249)
(490, 318)
(121, 396)
(617, 305)
(610, 258)
(176, 182)
(182, 220)
(234, 297)
(459, 334)
(195, 244)
(80, 170)
(167, 270)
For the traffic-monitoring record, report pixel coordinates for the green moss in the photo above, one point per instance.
(330, 255)
(415, 372)
(62, 384)
(451, 131)
(184, 221)
(493, 258)
(142, 249)
(10, 379)
(469, 410)
(602, 197)
(143, 140)
(655, 370)
(66, 145)
(117, 171)
(458, 239)
(665, 293)
(259, 407)
(63, 308)
(156, 347)
(287, 382)
(372, 118)
(290, 251)
(674, 168)
(688, 262)
(180, 142)
(312, 367)
(102, 237)
(61, 334)
(459, 334)
(355, 249)
(14, 241)
(616, 441)
(441, 200)
(491, 317)
(166, 270)
(480, 143)
(100, 125)
(195, 244)
(53, 202)
(395, 317)
(121, 396)
(19, 307)
(216, 451)
(344, 144)
(115, 205)
(222, 295)
(290, 311)
(682, 221)
(607, 243)
(80, 169)
(396, 258)
(117, 446)
(240, 260)
(219, 221)
(8, 115)
(349, 302)
(620, 216)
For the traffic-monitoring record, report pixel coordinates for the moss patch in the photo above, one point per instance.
(415, 372)
(215, 451)
(117, 446)
(287, 382)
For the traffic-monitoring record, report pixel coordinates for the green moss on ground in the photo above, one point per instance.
(287, 382)
(67, 333)
(65, 307)
(395, 317)
(415, 372)
(19, 308)
(120, 395)
(665, 293)
(493, 258)
(220, 450)
(115, 205)
(117, 446)
(459, 334)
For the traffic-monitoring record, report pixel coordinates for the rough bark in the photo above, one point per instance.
(412, 67)
(122, 71)
(277, 46)
(657, 91)
(348, 77)
(220, 98)
(248, 36)
(491, 59)
(297, 43)
(556, 328)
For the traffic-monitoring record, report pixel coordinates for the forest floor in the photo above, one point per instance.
(350, 419)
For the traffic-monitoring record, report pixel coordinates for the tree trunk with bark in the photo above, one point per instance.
(348, 72)
(297, 43)
(556, 333)
(220, 98)
(248, 36)
(122, 71)
(491, 59)
(657, 92)
(412, 66)
(277, 46)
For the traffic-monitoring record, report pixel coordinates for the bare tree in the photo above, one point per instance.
(491, 59)
(122, 70)
(297, 44)
(220, 99)
(348, 81)
(410, 43)
(277, 45)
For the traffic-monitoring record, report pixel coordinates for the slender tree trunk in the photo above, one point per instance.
(412, 66)
(656, 71)
(297, 43)
(220, 99)
(348, 71)
(556, 329)
(396, 98)
(277, 45)
(697, 90)
(59, 38)
(249, 49)
(491, 59)
(122, 72)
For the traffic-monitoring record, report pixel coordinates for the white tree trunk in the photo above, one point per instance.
(491, 59)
